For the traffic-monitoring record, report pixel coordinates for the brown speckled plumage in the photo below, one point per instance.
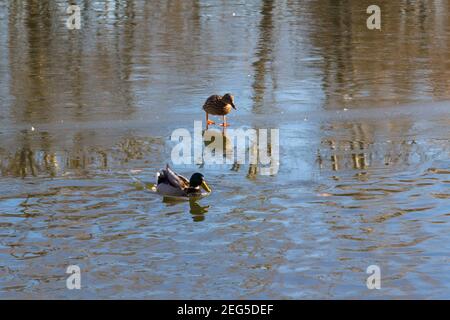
(218, 106)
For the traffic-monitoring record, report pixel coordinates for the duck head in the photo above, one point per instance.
(229, 99)
(198, 180)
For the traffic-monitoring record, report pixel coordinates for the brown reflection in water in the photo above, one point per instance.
(361, 149)
(345, 155)
(36, 158)
(405, 61)
(264, 54)
(128, 48)
(54, 73)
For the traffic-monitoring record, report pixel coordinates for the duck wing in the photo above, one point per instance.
(175, 180)
(213, 98)
(212, 102)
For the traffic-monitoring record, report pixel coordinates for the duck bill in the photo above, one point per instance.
(234, 107)
(206, 187)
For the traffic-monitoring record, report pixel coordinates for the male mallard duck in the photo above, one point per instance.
(219, 106)
(170, 183)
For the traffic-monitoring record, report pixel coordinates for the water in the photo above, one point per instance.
(364, 170)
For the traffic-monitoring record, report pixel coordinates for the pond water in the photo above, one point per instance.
(364, 170)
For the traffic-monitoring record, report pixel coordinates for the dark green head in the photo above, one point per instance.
(198, 180)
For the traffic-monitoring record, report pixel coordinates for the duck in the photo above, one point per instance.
(219, 106)
(169, 183)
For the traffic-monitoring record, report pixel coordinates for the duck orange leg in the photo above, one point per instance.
(208, 122)
(224, 124)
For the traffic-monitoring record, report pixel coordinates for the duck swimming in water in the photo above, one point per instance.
(170, 183)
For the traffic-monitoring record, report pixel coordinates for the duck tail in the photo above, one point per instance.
(161, 176)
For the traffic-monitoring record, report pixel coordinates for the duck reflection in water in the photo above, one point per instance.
(222, 144)
(218, 143)
(195, 209)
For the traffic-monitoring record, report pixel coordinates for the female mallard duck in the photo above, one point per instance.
(170, 183)
(219, 106)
